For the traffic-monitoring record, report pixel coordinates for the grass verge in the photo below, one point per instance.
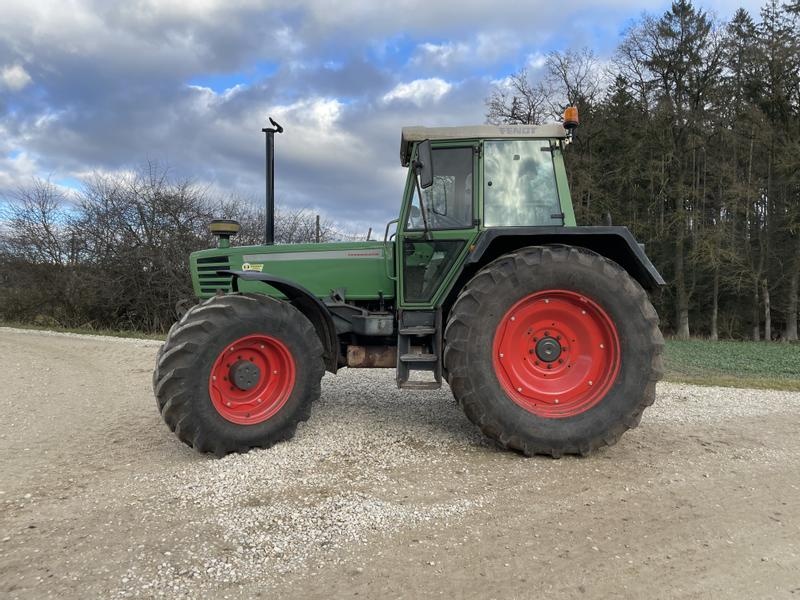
(87, 331)
(760, 365)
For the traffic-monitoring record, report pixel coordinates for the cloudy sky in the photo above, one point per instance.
(101, 85)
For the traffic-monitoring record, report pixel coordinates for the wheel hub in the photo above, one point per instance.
(556, 353)
(251, 379)
(245, 374)
(548, 349)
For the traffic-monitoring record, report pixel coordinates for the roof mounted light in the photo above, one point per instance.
(571, 120)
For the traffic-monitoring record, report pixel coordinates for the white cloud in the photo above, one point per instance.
(14, 77)
(496, 46)
(536, 61)
(419, 91)
(318, 113)
(442, 55)
(487, 48)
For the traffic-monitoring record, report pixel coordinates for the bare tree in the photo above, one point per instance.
(517, 101)
(37, 224)
(575, 78)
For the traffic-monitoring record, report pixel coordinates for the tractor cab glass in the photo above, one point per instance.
(448, 201)
(519, 184)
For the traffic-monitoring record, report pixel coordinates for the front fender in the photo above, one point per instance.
(304, 301)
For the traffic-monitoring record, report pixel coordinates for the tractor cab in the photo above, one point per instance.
(464, 180)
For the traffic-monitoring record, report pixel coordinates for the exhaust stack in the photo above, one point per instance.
(269, 234)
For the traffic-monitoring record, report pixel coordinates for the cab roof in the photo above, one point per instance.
(410, 135)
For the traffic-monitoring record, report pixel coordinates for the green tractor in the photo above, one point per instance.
(543, 329)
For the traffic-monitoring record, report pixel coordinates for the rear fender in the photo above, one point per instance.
(615, 243)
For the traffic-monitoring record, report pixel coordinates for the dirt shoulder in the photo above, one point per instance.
(382, 494)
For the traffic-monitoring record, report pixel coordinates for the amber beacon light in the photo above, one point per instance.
(571, 118)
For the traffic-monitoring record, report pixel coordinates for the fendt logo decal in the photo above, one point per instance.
(251, 267)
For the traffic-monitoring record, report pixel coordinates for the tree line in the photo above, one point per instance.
(114, 255)
(690, 136)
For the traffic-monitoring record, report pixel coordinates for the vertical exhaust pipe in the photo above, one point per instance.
(269, 234)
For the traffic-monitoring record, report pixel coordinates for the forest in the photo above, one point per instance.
(689, 136)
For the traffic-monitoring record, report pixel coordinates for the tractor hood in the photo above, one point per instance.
(360, 268)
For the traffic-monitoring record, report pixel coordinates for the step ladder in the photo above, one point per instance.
(419, 348)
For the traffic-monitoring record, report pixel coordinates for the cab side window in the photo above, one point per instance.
(448, 202)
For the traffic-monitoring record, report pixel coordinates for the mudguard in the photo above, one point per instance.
(616, 243)
(304, 301)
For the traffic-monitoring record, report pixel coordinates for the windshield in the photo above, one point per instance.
(520, 184)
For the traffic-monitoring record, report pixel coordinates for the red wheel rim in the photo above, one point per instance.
(556, 353)
(252, 379)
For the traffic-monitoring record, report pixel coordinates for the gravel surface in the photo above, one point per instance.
(383, 493)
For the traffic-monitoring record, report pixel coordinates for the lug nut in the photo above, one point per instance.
(590, 382)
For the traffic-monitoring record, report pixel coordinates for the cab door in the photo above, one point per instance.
(435, 231)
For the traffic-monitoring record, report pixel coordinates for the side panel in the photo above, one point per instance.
(359, 267)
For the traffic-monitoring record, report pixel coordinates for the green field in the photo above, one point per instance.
(772, 365)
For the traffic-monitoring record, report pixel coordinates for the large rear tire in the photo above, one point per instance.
(237, 372)
(553, 350)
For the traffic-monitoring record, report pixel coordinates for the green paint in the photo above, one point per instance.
(360, 267)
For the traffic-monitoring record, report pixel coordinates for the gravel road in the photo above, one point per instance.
(383, 494)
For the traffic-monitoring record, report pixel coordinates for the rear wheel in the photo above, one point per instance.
(553, 350)
(237, 372)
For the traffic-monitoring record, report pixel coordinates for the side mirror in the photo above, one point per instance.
(424, 164)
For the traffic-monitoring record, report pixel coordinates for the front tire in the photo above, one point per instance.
(237, 372)
(553, 350)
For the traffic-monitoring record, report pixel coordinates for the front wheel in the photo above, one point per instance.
(237, 372)
(553, 350)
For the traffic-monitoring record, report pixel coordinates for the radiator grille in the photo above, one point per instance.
(210, 282)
